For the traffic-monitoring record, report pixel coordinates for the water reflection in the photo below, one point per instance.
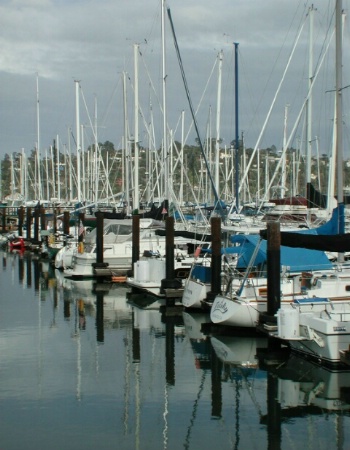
(82, 357)
(200, 342)
(304, 388)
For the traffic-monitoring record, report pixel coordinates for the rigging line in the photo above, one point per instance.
(249, 386)
(201, 99)
(194, 411)
(159, 102)
(269, 113)
(217, 202)
(295, 124)
(141, 113)
(250, 265)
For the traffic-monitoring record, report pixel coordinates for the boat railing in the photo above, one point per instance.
(331, 307)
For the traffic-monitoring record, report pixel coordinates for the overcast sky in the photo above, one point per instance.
(59, 41)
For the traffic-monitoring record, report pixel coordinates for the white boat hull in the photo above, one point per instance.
(194, 293)
(320, 335)
(244, 310)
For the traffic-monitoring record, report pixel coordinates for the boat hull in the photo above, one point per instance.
(321, 336)
(194, 293)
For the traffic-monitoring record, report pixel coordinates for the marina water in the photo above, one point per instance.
(83, 367)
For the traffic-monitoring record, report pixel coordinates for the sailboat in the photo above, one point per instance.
(310, 289)
(304, 274)
(323, 334)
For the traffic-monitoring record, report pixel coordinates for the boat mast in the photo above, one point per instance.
(284, 151)
(70, 167)
(82, 161)
(38, 180)
(78, 137)
(23, 164)
(126, 148)
(52, 149)
(13, 185)
(339, 111)
(96, 167)
(47, 173)
(136, 135)
(309, 110)
(236, 127)
(181, 193)
(58, 168)
(218, 119)
(165, 141)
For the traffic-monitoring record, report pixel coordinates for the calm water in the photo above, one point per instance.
(81, 368)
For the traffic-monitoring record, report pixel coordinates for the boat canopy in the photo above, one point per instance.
(328, 237)
(293, 259)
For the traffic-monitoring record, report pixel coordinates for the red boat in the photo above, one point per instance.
(17, 244)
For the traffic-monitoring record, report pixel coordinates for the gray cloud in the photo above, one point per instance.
(93, 41)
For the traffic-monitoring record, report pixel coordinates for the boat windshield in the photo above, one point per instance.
(117, 233)
(114, 232)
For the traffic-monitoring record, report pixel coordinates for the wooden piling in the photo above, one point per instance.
(20, 220)
(66, 222)
(99, 264)
(273, 268)
(169, 282)
(43, 223)
(4, 228)
(135, 241)
(36, 224)
(215, 259)
(169, 249)
(54, 225)
(29, 223)
(268, 320)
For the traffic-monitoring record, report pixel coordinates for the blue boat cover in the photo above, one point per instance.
(294, 259)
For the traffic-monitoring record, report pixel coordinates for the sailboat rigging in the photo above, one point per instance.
(218, 204)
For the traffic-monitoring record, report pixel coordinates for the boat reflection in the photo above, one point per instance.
(309, 389)
(116, 310)
(238, 351)
(200, 342)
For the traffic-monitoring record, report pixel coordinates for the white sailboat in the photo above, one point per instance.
(305, 274)
(323, 334)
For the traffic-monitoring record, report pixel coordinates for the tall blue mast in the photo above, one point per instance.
(237, 130)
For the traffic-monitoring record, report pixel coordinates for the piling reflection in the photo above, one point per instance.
(21, 269)
(99, 317)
